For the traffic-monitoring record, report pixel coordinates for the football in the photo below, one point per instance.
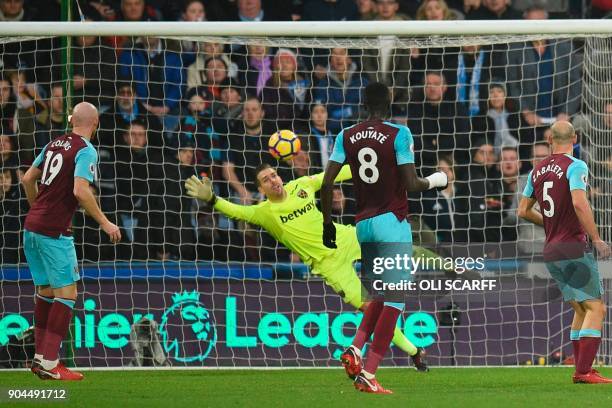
(284, 145)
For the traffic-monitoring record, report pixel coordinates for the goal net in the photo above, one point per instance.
(192, 286)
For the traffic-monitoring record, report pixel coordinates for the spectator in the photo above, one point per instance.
(31, 111)
(13, 10)
(252, 10)
(199, 74)
(531, 237)
(367, 9)
(228, 108)
(387, 10)
(255, 69)
(28, 95)
(287, 94)
(13, 208)
(434, 10)
(8, 157)
(7, 105)
(150, 65)
(247, 143)
(434, 58)
(214, 75)
(54, 124)
(494, 10)
(386, 63)
(139, 186)
(438, 207)
(438, 124)
(132, 10)
(180, 217)
(193, 11)
(545, 76)
(93, 67)
(509, 166)
(340, 90)
(325, 10)
(125, 110)
(196, 133)
(470, 76)
(479, 198)
(320, 139)
(502, 118)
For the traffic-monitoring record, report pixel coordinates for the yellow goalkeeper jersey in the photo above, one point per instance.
(295, 222)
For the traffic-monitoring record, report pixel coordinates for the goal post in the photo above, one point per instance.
(193, 287)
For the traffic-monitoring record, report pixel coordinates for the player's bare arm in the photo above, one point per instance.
(527, 212)
(87, 200)
(327, 190)
(585, 216)
(415, 184)
(29, 181)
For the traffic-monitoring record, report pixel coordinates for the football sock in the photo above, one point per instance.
(575, 338)
(400, 340)
(589, 344)
(368, 323)
(57, 327)
(42, 307)
(383, 333)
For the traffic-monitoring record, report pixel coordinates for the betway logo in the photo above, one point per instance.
(296, 213)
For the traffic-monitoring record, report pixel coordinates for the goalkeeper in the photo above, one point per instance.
(291, 216)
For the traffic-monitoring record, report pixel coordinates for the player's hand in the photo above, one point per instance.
(113, 232)
(603, 250)
(329, 235)
(200, 189)
(438, 180)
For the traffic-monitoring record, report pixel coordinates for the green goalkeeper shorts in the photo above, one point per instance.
(338, 269)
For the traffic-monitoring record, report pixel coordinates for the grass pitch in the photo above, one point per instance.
(442, 387)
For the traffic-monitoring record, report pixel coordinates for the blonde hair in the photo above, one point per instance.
(562, 132)
(421, 15)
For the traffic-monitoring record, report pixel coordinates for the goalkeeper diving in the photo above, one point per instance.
(291, 216)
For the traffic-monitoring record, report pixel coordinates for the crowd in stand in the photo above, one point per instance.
(172, 108)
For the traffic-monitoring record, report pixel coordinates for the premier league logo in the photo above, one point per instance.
(188, 333)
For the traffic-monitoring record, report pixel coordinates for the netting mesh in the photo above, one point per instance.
(479, 107)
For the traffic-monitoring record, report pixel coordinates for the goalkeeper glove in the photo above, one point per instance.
(200, 189)
(438, 180)
(329, 235)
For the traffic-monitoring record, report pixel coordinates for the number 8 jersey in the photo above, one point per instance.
(551, 182)
(63, 159)
(374, 149)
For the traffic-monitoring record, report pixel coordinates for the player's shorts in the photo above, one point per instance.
(386, 228)
(338, 271)
(578, 279)
(52, 261)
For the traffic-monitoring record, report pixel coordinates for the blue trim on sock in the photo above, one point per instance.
(46, 299)
(590, 333)
(67, 302)
(396, 305)
(574, 334)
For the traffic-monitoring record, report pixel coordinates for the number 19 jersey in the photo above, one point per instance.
(374, 149)
(551, 182)
(63, 159)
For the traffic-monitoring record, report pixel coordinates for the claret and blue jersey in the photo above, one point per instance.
(48, 244)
